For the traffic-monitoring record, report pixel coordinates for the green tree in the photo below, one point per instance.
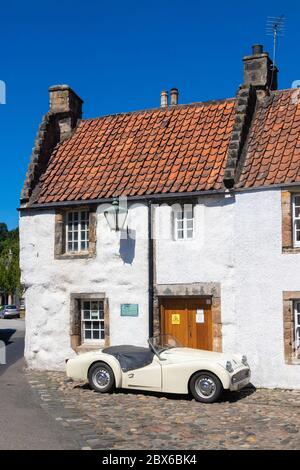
(3, 231)
(9, 261)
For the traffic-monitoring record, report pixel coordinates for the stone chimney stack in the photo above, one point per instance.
(174, 96)
(259, 71)
(58, 124)
(67, 107)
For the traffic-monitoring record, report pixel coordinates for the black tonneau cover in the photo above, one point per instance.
(130, 357)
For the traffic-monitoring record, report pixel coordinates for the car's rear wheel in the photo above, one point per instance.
(206, 387)
(101, 377)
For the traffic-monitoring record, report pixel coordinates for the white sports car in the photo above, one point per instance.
(165, 367)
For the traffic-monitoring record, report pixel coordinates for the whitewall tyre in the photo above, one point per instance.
(101, 377)
(206, 387)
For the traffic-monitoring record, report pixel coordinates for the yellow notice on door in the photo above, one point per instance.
(175, 319)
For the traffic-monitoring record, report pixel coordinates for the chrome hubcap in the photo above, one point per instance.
(101, 378)
(205, 387)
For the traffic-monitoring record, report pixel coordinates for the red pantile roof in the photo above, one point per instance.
(173, 150)
(273, 148)
(178, 149)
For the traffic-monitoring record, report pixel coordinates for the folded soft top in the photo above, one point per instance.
(130, 357)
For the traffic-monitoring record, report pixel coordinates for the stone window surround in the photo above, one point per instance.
(211, 290)
(287, 220)
(59, 238)
(288, 326)
(75, 322)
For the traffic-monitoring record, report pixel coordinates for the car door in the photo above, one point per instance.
(145, 378)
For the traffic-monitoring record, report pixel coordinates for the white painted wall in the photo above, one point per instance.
(50, 283)
(237, 243)
(262, 273)
(207, 258)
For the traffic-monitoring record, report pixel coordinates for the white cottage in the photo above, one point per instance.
(203, 244)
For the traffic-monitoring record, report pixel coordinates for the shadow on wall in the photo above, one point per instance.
(226, 200)
(127, 246)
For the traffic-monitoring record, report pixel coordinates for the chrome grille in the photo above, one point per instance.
(241, 375)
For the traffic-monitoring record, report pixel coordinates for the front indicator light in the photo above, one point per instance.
(245, 361)
(229, 367)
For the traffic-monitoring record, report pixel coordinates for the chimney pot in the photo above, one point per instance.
(164, 99)
(257, 49)
(174, 96)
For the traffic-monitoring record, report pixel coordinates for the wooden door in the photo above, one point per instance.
(189, 320)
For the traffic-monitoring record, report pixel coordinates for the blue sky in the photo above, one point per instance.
(119, 55)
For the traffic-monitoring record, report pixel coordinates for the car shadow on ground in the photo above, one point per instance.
(227, 397)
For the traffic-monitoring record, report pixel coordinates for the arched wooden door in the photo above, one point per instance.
(189, 320)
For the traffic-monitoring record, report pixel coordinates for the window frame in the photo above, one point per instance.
(183, 209)
(80, 220)
(295, 219)
(296, 327)
(100, 319)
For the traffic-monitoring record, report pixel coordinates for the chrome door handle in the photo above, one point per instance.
(130, 376)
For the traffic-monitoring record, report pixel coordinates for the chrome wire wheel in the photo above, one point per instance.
(101, 377)
(205, 387)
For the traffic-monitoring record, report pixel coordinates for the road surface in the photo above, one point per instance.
(23, 423)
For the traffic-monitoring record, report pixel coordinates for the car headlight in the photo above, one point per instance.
(245, 361)
(229, 367)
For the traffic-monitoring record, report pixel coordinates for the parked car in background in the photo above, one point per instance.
(165, 367)
(9, 311)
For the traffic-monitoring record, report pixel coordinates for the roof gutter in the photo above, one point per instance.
(158, 197)
(146, 197)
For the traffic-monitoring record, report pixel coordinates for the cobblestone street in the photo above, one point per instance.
(251, 419)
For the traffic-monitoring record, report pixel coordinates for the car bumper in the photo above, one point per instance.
(240, 379)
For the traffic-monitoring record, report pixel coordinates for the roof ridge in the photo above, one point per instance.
(167, 108)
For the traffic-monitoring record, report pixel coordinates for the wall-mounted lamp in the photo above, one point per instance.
(116, 216)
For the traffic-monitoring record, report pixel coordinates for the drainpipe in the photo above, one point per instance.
(150, 269)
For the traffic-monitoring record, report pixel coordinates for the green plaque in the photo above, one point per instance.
(129, 310)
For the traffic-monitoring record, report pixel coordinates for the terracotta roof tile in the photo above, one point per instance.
(183, 148)
(142, 153)
(272, 155)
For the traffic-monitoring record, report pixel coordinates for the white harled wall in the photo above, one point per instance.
(120, 270)
(237, 243)
(262, 273)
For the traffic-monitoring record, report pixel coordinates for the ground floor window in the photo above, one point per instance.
(89, 321)
(291, 325)
(92, 320)
(297, 327)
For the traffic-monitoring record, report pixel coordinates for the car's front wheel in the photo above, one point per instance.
(206, 387)
(101, 377)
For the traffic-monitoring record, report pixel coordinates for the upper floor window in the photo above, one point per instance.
(77, 231)
(296, 219)
(184, 222)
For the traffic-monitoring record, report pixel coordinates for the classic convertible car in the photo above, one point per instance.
(165, 367)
